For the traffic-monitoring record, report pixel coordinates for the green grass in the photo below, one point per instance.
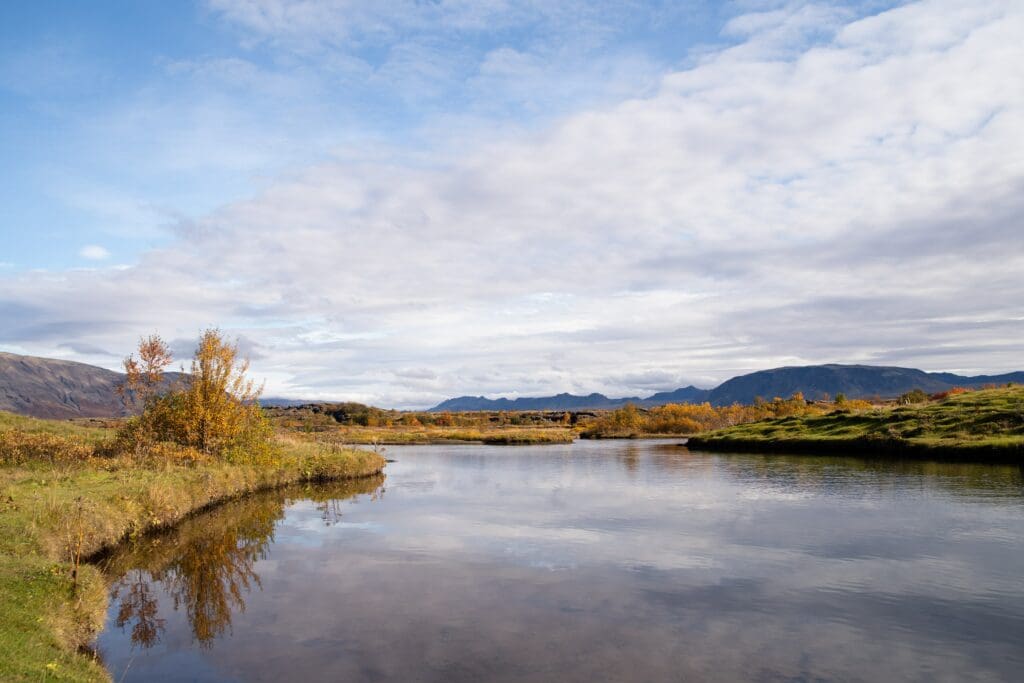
(44, 617)
(979, 424)
(49, 513)
(64, 428)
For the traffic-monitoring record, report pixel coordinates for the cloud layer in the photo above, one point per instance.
(825, 188)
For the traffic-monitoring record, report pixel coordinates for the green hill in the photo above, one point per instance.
(979, 424)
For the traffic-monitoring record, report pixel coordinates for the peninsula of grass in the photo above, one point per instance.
(400, 435)
(986, 425)
(60, 504)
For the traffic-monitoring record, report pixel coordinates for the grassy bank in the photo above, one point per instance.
(407, 435)
(58, 507)
(978, 425)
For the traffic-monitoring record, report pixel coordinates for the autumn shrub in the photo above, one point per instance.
(253, 442)
(691, 418)
(445, 419)
(955, 391)
(679, 425)
(174, 454)
(214, 412)
(682, 418)
(18, 447)
(913, 396)
(857, 404)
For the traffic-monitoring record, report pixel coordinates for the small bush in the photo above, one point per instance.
(18, 447)
(955, 391)
(914, 396)
(174, 454)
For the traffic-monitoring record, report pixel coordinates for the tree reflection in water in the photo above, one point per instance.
(207, 564)
(138, 604)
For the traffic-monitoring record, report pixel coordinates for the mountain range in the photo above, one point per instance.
(50, 388)
(58, 389)
(814, 381)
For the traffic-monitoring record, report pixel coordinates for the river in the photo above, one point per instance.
(596, 561)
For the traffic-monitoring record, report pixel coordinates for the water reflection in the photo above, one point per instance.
(597, 561)
(138, 607)
(206, 566)
(821, 474)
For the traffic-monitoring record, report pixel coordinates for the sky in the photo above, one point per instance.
(400, 201)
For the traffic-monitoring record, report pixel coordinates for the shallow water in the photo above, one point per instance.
(597, 561)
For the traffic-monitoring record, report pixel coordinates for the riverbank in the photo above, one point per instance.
(56, 513)
(401, 435)
(985, 425)
(633, 436)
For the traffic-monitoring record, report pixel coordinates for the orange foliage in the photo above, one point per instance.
(951, 392)
(689, 418)
(143, 376)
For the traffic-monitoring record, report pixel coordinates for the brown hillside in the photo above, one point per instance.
(58, 389)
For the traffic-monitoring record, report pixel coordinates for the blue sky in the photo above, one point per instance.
(398, 200)
(121, 118)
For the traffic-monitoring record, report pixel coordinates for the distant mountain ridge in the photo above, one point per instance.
(558, 402)
(814, 381)
(278, 402)
(569, 401)
(60, 389)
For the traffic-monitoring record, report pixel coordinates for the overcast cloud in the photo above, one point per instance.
(821, 184)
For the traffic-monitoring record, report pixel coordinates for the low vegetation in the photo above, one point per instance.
(958, 424)
(318, 417)
(397, 436)
(69, 491)
(687, 418)
(355, 423)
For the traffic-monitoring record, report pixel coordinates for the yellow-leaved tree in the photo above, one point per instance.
(220, 402)
(213, 411)
(143, 380)
(143, 376)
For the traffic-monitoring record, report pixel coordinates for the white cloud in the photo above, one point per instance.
(854, 200)
(94, 252)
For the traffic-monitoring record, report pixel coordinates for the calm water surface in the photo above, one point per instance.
(599, 561)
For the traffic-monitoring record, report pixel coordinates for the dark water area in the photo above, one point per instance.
(596, 561)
